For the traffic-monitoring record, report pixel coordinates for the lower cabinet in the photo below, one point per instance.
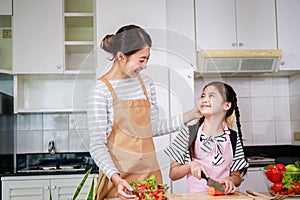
(254, 180)
(61, 187)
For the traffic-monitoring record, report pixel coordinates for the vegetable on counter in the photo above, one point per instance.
(149, 189)
(275, 172)
(285, 179)
(213, 192)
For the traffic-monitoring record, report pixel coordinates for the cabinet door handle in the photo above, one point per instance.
(241, 44)
(53, 187)
(46, 188)
(282, 63)
(58, 66)
(234, 44)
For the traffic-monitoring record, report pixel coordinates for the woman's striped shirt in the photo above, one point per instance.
(100, 115)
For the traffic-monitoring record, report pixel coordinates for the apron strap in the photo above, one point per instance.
(111, 89)
(143, 86)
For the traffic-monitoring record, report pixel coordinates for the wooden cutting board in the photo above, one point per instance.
(206, 196)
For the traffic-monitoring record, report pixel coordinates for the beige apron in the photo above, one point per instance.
(130, 143)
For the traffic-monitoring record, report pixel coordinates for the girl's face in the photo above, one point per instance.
(212, 102)
(132, 65)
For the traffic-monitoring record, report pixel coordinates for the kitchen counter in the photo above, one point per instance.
(203, 196)
(206, 196)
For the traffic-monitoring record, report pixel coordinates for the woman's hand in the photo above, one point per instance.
(122, 187)
(229, 183)
(196, 169)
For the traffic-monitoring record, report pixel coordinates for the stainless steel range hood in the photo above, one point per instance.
(239, 61)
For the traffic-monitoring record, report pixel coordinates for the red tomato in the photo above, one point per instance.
(290, 191)
(280, 167)
(284, 192)
(277, 187)
(275, 173)
(296, 187)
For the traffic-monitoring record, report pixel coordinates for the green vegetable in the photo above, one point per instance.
(292, 168)
(288, 179)
(292, 175)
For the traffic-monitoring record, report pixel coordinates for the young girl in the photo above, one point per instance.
(210, 146)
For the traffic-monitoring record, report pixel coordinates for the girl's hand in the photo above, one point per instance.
(196, 169)
(230, 187)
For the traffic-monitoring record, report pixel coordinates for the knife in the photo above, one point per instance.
(212, 183)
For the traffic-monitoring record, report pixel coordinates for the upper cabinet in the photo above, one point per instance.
(79, 36)
(235, 24)
(288, 33)
(38, 36)
(5, 7)
(5, 45)
(53, 36)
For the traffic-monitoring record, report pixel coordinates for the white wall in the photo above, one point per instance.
(264, 104)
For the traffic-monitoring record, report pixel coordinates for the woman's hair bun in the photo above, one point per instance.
(106, 43)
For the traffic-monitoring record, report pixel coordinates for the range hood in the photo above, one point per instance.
(239, 61)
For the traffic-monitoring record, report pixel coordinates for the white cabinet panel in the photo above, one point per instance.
(232, 24)
(256, 24)
(40, 187)
(215, 24)
(288, 33)
(181, 100)
(25, 190)
(38, 36)
(51, 93)
(5, 7)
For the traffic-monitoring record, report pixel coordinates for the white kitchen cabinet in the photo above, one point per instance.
(53, 37)
(5, 7)
(38, 36)
(51, 93)
(288, 33)
(40, 187)
(5, 44)
(235, 24)
(181, 31)
(181, 100)
(79, 36)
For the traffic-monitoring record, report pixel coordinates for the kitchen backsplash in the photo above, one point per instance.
(67, 130)
(269, 106)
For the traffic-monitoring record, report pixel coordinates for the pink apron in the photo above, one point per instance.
(214, 171)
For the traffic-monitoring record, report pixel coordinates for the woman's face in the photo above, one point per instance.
(136, 62)
(212, 102)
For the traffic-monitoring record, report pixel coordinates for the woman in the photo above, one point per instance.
(210, 147)
(123, 115)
